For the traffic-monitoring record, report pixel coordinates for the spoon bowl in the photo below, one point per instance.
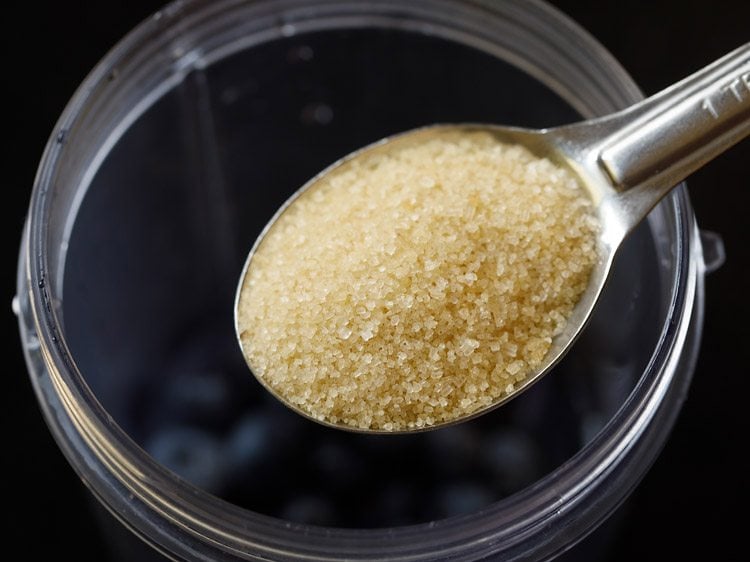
(627, 162)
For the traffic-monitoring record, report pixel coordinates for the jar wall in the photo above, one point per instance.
(204, 158)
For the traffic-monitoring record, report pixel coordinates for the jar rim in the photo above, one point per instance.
(166, 510)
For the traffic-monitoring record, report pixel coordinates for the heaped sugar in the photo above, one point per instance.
(416, 286)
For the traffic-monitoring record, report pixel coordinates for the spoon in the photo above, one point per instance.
(627, 162)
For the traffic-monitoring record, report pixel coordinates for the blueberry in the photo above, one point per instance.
(193, 454)
(309, 509)
(513, 457)
(250, 440)
(338, 465)
(394, 505)
(454, 449)
(196, 394)
(462, 498)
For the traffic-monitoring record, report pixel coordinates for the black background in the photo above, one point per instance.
(692, 502)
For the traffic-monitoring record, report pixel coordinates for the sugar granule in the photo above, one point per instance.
(416, 286)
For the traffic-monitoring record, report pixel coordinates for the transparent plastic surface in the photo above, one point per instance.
(153, 189)
(151, 276)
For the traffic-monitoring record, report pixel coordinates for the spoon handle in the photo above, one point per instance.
(673, 133)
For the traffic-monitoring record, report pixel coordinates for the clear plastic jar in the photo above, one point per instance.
(162, 170)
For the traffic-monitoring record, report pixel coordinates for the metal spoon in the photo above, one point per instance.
(628, 161)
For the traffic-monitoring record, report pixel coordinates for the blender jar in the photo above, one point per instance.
(164, 167)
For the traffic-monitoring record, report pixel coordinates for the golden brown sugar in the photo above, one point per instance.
(417, 286)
